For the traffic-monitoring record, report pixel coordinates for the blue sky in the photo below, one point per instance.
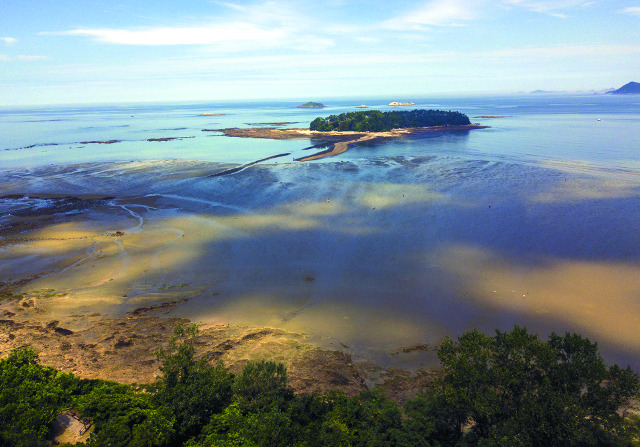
(72, 51)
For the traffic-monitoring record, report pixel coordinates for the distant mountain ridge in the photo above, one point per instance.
(632, 88)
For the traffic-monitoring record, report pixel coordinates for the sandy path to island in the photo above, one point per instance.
(338, 148)
(343, 137)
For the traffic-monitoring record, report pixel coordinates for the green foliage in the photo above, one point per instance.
(376, 121)
(192, 389)
(261, 386)
(514, 389)
(368, 420)
(31, 396)
(269, 428)
(124, 417)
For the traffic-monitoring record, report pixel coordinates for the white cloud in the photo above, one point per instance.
(563, 51)
(548, 6)
(333, 66)
(458, 12)
(634, 10)
(230, 5)
(265, 25)
(24, 57)
(436, 13)
(8, 40)
(200, 35)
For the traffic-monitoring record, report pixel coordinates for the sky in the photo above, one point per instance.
(98, 51)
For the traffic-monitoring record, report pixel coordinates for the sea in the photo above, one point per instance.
(532, 221)
(596, 129)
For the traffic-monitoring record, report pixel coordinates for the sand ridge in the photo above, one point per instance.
(342, 139)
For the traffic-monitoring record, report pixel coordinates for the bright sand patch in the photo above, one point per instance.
(596, 298)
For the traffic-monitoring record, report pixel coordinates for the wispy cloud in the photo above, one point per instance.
(8, 40)
(634, 10)
(240, 27)
(293, 67)
(230, 5)
(198, 35)
(551, 7)
(459, 12)
(563, 51)
(26, 57)
(22, 57)
(435, 13)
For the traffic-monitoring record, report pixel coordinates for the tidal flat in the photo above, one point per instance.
(389, 246)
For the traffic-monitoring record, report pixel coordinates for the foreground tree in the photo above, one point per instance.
(123, 416)
(514, 389)
(192, 389)
(31, 396)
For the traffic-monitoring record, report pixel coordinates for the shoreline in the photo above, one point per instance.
(121, 348)
(342, 140)
(108, 327)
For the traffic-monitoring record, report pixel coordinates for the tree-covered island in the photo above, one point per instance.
(311, 105)
(376, 121)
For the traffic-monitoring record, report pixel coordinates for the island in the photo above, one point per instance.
(632, 88)
(311, 105)
(396, 104)
(356, 127)
(377, 121)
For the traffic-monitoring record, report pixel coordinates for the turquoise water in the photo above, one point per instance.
(535, 129)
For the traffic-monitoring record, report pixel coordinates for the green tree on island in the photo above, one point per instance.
(376, 121)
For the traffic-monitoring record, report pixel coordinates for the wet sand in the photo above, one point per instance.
(368, 259)
(93, 288)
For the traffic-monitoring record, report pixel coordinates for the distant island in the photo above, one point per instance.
(376, 121)
(632, 88)
(311, 105)
(396, 104)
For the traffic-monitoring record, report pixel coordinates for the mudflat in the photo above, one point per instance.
(90, 282)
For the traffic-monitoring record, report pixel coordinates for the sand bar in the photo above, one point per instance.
(342, 138)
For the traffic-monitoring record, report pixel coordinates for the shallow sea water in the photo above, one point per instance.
(533, 221)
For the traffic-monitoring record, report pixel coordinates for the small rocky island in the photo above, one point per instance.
(311, 105)
(398, 104)
(632, 88)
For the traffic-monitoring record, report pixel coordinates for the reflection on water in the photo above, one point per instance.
(532, 222)
(373, 255)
